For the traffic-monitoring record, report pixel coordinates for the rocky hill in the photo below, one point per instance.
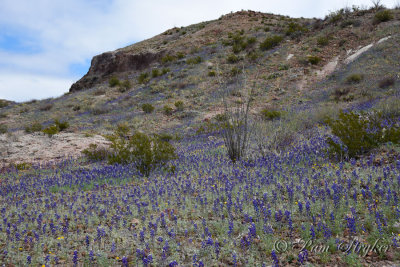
(349, 58)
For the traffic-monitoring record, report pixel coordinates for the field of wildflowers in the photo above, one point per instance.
(209, 212)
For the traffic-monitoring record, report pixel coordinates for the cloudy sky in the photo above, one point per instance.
(46, 45)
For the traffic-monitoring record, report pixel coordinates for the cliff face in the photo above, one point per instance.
(109, 63)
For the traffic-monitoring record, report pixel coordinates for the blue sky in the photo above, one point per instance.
(46, 45)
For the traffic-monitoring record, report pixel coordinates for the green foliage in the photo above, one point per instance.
(270, 115)
(354, 78)
(147, 108)
(57, 127)
(179, 105)
(141, 150)
(3, 128)
(322, 41)
(168, 58)
(359, 133)
(34, 127)
(155, 73)
(180, 55)
(232, 58)
(113, 81)
(314, 60)
(271, 42)
(3, 103)
(124, 86)
(165, 71)
(194, 60)
(383, 16)
(51, 130)
(143, 78)
(235, 71)
(294, 28)
(167, 110)
(212, 73)
(95, 153)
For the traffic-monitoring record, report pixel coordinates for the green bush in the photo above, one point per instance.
(194, 60)
(46, 107)
(314, 60)
(95, 153)
(143, 78)
(51, 130)
(3, 128)
(155, 73)
(295, 29)
(125, 86)
(271, 42)
(56, 128)
(165, 71)
(179, 105)
(322, 40)
(212, 73)
(359, 133)
(147, 108)
(113, 81)
(144, 152)
(270, 115)
(383, 16)
(354, 78)
(167, 59)
(180, 55)
(3, 103)
(232, 58)
(34, 127)
(167, 110)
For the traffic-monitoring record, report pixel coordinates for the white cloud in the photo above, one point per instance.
(73, 31)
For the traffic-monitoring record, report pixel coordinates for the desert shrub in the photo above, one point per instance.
(220, 117)
(389, 108)
(147, 108)
(114, 81)
(99, 92)
(179, 105)
(180, 55)
(46, 107)
(212, 73)
(3, 103)
(95, 153)
(51, 130)
(99, 110)
(253, 55)
(164, 137)
(167, 110)
(314, 60)
(34, 127)
(165, 71)
(387, 82)
(358, 133)
(194, 60)
(57, 127)
(335, 16)
(235, 71)
(354, 78)
(143, 151)
(271, 42)
(168, 58)
(3, 128)
(322, 40)
(125, 86)
(232, 59)
(143, 78)
(295, 29)
(155, 73)
(268, 114)
(251, 40)
(340, 92)
(383, 16)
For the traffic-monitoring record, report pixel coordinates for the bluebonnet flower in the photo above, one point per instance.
(28, 259)
(75, 258)
(275, 259)
(303, 256)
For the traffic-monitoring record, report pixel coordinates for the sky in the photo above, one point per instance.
(46, 45)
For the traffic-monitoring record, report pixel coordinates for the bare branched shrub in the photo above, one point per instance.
(236, 129)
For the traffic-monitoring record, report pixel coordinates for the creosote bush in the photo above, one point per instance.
(358, 133)
(114, 81)
(268, 114)
(95, 153)
(167, 110)
(143, 151)
(179, 105)
(3, 128)
(143, 78)
(314, 60)
(271, 42)
(382, 16)
(232, 59)
(125, 86)
(34, 127)
(147, 108)
(194, 60)
(57, 127)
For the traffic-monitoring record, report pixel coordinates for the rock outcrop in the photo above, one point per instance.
(113, 63)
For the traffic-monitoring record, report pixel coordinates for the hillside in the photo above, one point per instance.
(318, 183)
